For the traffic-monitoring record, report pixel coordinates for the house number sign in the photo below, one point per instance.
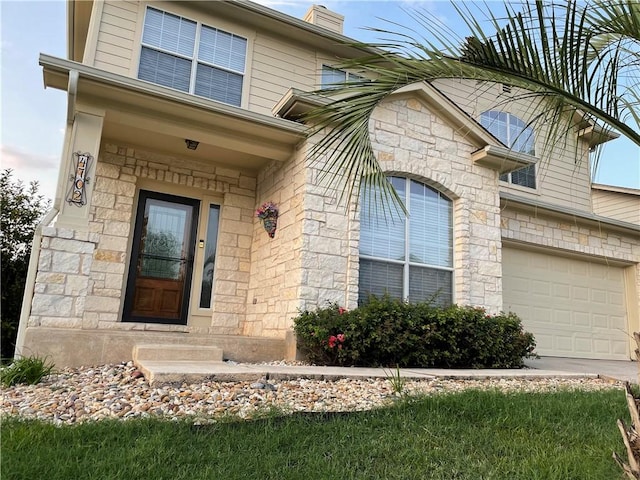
(78, 195)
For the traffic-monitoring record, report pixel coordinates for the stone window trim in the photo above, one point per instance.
(191, 49)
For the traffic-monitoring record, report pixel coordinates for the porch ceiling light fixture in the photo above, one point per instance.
(191, 144)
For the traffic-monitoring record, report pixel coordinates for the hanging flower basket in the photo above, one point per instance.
(268, 214)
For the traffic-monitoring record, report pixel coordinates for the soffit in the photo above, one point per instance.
(147, 115)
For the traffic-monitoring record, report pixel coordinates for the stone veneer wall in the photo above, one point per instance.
(330, 247)
(410, 140)
(543, 230)
(276, 275)
(310, 260)
(82, 274)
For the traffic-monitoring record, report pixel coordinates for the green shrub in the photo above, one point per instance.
(29, 370)
(388, 332)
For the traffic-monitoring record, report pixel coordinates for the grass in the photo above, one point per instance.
(471, 435)
(29, 370)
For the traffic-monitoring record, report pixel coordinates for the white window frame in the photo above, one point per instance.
(349, 76)
(508, 142)
(407, 263)
(194, 55)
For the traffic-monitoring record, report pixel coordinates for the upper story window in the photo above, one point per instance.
(409, 258)
(192, 57)
(333, 77)
(515, 134)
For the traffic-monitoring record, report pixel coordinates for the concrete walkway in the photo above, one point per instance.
(615, 369)
(193, 372)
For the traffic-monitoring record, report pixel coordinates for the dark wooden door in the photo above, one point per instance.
(161, 259)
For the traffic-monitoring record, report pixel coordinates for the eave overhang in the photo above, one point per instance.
(502, 159)
(616, 189)
(246, 12)
(296, 103)
(595, 135)
(491, 154)
(509, 200)
(249, 138)
(263, 18)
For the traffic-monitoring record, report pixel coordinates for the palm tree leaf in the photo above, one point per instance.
(577, 60)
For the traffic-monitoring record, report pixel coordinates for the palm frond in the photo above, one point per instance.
(578, 61)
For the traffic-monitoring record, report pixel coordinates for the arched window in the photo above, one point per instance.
(515, 134)
(409, 258)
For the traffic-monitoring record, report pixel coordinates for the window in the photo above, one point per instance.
(333, 77)
(206, 285)
(191, 57)
(410, 258)
(515, 134)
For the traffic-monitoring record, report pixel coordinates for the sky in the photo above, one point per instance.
(32, 120)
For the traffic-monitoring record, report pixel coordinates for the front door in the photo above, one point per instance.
(161, 259)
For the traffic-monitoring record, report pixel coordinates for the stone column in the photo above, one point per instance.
(86, 133)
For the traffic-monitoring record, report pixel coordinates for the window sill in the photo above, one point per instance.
(502, 159)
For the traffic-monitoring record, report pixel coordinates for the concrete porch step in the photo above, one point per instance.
(176, 353)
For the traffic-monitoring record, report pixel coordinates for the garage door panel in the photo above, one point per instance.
(574, 307)
(562, 317)
(540, 287)
(582, 319)
(580, 269)
(561, 290)
(558, 264)
(616, 299)
(544, 315)
(580, 293)
(599, 296)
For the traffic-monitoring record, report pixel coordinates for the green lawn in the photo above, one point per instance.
(471, 435)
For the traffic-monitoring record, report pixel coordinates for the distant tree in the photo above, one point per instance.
(21, 209)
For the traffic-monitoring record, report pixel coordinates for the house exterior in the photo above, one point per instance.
(182, 122)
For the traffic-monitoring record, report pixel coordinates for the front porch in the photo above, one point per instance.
(157, 245)
(86, 347)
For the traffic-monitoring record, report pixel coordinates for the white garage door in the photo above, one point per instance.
(574, 307)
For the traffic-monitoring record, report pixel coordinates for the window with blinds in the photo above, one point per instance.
(334, 77)
(515, 134)
(191, 57)
(410, 257)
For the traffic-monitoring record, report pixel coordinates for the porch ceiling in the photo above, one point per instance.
(141, 114)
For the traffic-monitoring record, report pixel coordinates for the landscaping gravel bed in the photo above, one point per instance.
(120, 391)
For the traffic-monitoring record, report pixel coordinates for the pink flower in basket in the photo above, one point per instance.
(267, 210)
(268, 214)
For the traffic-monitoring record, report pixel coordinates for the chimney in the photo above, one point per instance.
(325, 18)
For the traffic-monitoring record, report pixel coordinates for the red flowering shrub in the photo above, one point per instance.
(388, 332)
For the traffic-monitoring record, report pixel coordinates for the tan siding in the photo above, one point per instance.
(124, 10)
(115, 48)
(562, 174)
(621, 206)
(276, 67)
(117, 31)
(111, 63)
(120, 47)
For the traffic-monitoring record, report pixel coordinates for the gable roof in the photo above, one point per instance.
(491, 153)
